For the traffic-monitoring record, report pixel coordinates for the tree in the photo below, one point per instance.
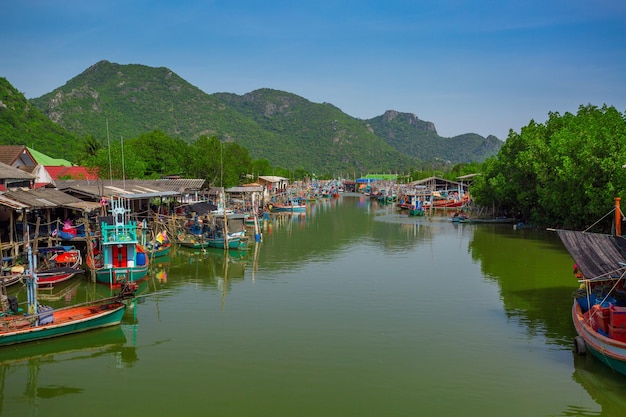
(205, 160)
(563, 173)
(161, 154)
(115, 164)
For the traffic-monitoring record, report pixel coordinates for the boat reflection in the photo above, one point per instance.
(24, 362)
(603, 385)
(65, 291)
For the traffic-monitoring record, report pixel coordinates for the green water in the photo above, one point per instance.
(350, 310)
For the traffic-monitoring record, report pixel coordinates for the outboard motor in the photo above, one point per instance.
(13, 305)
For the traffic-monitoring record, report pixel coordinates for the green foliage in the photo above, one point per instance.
(23, 124)
(283, 128)
(161, 154)
(261, 167)
(564, 173)
(417, 138)
(116, 163)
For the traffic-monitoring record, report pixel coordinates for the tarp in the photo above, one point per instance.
(596, 254)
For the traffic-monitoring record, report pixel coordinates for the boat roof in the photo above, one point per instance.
(596, 255)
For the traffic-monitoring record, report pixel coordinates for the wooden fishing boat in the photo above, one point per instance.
(8, 280)
(159, 251)
(189, 240)
(121, 258)
(415, 206)
(444, 200)
(599, 308)
(159, 247)
(495, 220)
(63, 264)
(234, 242)
(42, 322)
(290, 206)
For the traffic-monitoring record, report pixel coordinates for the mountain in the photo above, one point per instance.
(318, 136)
(418, 138)
(21, 123)
(281, 127)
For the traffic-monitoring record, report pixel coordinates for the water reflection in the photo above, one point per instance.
(22, 365)
(532, 293)
(207, 267)
(602, 384)
(357, 303)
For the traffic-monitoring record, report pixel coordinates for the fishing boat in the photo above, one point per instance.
(59, 265)
(159, 247)
(121, 258)
(295, 205)
(446, 200)
(495, 220)
(599, 308)
(193, 241)
(233, 242)
(415, 206)
(43, 322)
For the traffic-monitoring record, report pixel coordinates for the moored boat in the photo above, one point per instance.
(290, 206)
(42, 322)
(599, 308)
(63, 264)
(159, 247)
(121, 258)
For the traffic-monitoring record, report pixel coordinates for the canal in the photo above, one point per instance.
(352, 309)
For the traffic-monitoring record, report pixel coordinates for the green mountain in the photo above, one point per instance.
(315, 136)
(418, 138)
(281, 127)
(21, 123)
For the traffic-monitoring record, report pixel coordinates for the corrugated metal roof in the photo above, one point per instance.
(272, 178)
(8, 202)
(246, 189)
(7, 172)
(44, 198)
(133, 189)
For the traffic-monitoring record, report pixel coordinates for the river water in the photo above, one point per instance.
(353, 309)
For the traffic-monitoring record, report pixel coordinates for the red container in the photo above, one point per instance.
(603, 317)
(617, 333)
(618, 316)
(600, 318)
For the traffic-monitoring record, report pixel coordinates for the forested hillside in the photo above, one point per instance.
(21, 123)
(418, 138)
(285, 129)
(319, 136)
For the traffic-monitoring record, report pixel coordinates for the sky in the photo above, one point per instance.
(468, 66)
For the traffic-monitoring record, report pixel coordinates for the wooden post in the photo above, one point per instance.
(618, 218)
(89, 248)
(49, 223)
(36, 238)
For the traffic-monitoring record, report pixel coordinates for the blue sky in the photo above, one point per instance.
(482, 66)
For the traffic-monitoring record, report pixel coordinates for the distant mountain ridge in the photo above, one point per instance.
(284, 128)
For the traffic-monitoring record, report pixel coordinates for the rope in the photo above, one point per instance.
(599, 220)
